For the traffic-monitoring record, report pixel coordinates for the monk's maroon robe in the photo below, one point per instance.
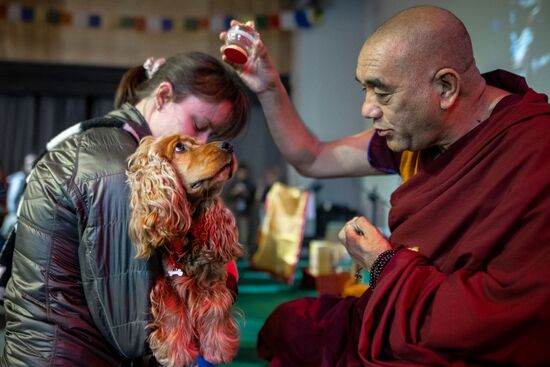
(478, 291)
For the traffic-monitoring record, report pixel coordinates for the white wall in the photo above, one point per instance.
(329, 99)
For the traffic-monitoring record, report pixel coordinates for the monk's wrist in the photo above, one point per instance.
(378, 266)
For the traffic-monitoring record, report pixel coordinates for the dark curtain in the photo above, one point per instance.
(16, 129)
(38, 101)
(28, 122)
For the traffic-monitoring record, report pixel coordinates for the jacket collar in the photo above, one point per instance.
(134, 120)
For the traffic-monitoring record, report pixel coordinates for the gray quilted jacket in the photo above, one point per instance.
(77, 296)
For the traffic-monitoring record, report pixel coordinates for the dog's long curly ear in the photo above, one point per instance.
(158, 201)
(216, 229)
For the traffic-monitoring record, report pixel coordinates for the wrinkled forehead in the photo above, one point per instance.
(390, 60)
(374, 61)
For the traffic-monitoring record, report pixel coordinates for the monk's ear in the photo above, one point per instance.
(447, 82)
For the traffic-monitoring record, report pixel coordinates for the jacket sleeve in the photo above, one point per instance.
(116, 285)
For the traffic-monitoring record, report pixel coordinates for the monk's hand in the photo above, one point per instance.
(259, 72)
(363, 241)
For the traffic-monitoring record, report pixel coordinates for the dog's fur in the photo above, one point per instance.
(176, 208)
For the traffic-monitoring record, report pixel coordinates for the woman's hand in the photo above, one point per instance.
(363, 241)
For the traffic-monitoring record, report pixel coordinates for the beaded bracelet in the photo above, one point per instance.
(378, 265)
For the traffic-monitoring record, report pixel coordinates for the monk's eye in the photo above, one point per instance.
(180, 147)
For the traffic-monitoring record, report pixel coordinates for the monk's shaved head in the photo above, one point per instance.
(425, 37)
(420, 79)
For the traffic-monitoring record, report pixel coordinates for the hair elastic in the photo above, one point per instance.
(151, 65)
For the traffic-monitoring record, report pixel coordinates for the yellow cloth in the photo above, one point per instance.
(282, 230)
(353, 288)
(408, 166)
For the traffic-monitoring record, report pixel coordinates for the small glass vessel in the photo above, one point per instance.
(239, 43)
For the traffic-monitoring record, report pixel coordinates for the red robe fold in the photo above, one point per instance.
(478, 291)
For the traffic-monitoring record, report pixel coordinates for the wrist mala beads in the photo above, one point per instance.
(381, 261)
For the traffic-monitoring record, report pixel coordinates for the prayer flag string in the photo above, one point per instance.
(287, 20)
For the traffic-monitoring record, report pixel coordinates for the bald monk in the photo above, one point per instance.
(464, 278)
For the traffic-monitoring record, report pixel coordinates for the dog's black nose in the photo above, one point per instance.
(228, 147)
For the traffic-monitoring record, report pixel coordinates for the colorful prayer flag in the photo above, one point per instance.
(285, 20)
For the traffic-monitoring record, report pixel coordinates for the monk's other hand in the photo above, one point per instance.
(363, 241)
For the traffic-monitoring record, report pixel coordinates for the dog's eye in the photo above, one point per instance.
(197, 184)
(180, 147)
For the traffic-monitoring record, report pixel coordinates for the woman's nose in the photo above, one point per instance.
(202, 137)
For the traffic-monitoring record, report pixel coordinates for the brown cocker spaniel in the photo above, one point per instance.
(176, 209)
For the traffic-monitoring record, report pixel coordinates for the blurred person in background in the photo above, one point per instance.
(241, 199)
(3, 195)
(16, 186)
(16, 183)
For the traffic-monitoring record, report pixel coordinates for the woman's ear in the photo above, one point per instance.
(163, 94)
(447, 82)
